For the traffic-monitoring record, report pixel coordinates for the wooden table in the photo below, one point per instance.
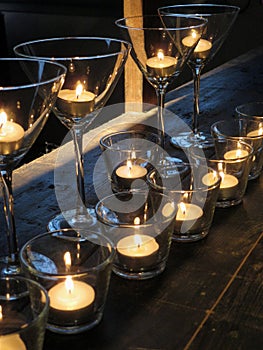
(210, 294)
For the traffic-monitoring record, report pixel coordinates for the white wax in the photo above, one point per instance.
(255, 133)
(11, 342)
(202, 46)
(71, 96)
(188, 211)
(131, 171)
(79, 296)
(165, 62)
(76, 105)
(137, 246)
(236, 153)
(161, 65)
(11, 136)
(228, 181)
(209, 179)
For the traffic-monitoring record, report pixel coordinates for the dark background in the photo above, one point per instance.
(23, 20)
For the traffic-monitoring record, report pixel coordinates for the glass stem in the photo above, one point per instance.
(13, 265)
(195, 121)
(160, 102)
(77, 136)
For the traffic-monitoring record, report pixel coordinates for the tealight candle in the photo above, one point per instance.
(71, 295)
(127, 172)
(255, 133)
(235, 154)
(77, 102)
(161, 65)
(202, 48)
(10, 341)
(137, 251)
(188, 211)
(11, 135)
(228, 185)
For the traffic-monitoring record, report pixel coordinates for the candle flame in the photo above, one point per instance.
(137, 221)
(79, 90)
(1, 313)
(137, 240)
(69, 284)
(260, 130)
(67, 260)
(3, 118)
(160, 55)
(182, 207)
(194, 35)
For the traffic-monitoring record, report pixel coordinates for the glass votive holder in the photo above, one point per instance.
(129, 155)
(24, 308)
(140, 224)
(194, 197)
(232, 159)
(250, 110)
(247, 130)
(74, 266)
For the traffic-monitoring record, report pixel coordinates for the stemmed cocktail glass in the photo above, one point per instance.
(94, 66)
(220, 19)
(28, 90)
(159, 52)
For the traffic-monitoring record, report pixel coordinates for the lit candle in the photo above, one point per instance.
(76, 102)
(203, 47)
(138, 250)
(161, 65)
(11, 135)
(125, 173)
(131, 171)
(236, 154)
(71, 295)
(256, 133)
(188, 211)
(70, 299)
(9, 341)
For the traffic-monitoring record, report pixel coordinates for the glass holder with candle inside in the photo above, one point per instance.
(158, 51)
(129, 156)
(94, 66)
(28, 91)
(220, 18)
(232, 159)
(194, 199)
(76, 274)
(140, 223)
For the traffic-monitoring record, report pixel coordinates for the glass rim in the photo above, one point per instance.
(204, 188)
(98, 267)
(126, 225)
(73, 38)
(202, 23)
(238, 109)
(123, 132)
(231, 8)
(241, 137)
(35, 60)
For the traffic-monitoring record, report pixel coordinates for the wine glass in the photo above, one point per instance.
(28, 90)
(220, 19)
(159, 52)
(94, 66)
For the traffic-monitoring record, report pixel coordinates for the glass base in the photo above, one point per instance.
(8, 268)
(75, 329)
(191, 237)
(69, 219)
(188, 139)
(142, 275)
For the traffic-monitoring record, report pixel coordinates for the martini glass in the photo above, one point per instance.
(28, 90)
(159, 52)
(94, 66)
(220, 19)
